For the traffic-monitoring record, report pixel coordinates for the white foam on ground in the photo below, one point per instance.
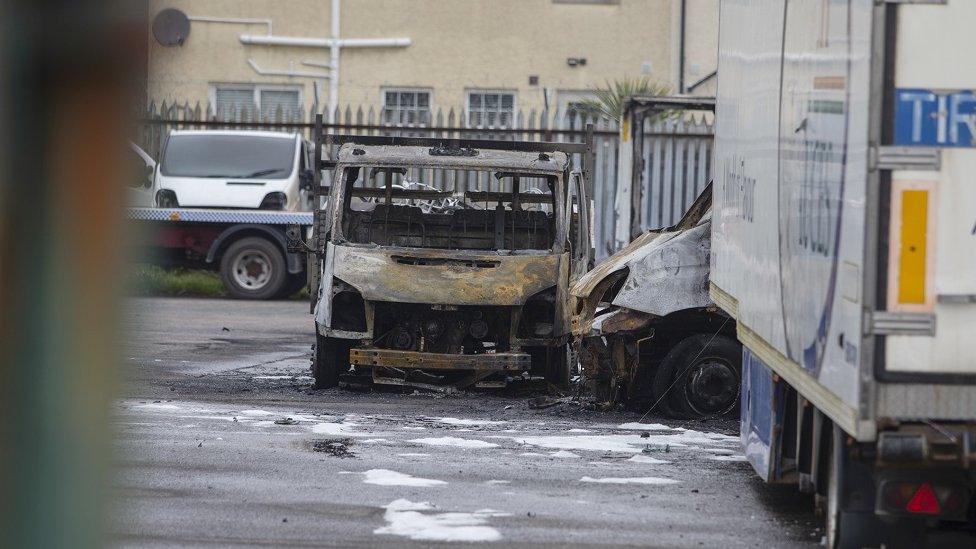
(455, 442)
(409, 428)
(648, 427)
(728, 458)
(408, 519)
(628, 443)
(385, 477)
(564, 454)
(471, 422)
(301, 417)
(347, 429)
(493, 481)
(641, 458)
(579, 431)
(157, 406)
(374, 440)
(532, 454)
(271, 377)
(256, 413)
(658, 481)
(413, 455)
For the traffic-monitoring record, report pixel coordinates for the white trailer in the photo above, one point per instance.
(844, 245)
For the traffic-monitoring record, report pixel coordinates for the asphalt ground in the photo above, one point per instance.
(222, 442)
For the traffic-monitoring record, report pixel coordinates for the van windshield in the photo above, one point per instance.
(228, 156)
(448, 209)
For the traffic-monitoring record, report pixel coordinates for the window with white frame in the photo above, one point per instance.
(406, 106)
(491, 108)
(267, 103)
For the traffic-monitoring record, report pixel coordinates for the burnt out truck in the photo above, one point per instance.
(446, 263)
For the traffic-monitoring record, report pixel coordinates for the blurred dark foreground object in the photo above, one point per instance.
(69, 72)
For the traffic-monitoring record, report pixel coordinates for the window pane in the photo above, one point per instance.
(475, 100)
(391, 99)
(273, 100)
(423, 99)
(507, 100)
(233, 102)
(407, 99)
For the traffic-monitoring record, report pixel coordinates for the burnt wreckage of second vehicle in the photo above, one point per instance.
(420, 280)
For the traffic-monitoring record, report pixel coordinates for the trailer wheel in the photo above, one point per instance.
(700, 377)
(330, 357)
(253, 268)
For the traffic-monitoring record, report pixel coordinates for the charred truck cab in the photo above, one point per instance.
(447, 264)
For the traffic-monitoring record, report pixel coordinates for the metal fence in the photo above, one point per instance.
(676, 152)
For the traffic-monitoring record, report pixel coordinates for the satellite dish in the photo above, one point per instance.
(171, 27)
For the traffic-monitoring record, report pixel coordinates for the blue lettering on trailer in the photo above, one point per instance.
(928, 118)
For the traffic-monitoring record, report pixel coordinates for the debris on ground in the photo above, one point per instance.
(286, 421)
(335, 447)
(546, 401)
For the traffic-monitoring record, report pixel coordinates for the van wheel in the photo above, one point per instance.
(253, 268)
(330, 357)
(700, 377)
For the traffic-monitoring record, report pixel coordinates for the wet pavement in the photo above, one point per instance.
(220, 441)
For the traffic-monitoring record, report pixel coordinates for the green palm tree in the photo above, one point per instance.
(609, 101)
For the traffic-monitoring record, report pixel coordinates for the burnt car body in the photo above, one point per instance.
(646, 330)
(461, 280)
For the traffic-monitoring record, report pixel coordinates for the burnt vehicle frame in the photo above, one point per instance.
(413, 286)
(646, 331)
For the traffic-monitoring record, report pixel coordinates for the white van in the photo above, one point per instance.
(234, 169)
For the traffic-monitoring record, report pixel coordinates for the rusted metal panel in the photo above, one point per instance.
(667, 271)
(589, 281)
(453, 277)
(548, 163)
(439, 361)
(670, 274)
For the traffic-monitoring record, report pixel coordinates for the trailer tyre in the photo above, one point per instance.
(253, 268)
(700, 377)
(330, 357)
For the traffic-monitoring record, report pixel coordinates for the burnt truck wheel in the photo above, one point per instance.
(330, 357)
(253, 268)
(700, 377)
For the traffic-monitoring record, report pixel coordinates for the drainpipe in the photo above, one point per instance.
(334, 62)
(264, 40)
(233, 21)
(274, 72)
(681, 48)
